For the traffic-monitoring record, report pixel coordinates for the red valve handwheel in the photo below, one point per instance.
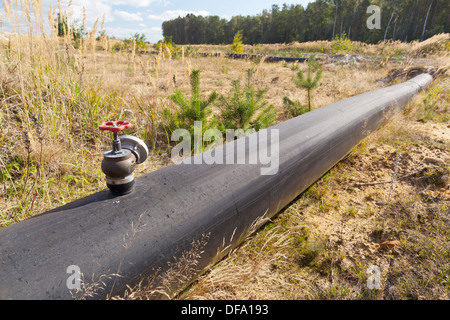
(115, 126)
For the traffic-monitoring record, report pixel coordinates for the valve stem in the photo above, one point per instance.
(117, 145)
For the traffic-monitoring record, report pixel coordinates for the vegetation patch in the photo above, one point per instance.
(385, 205)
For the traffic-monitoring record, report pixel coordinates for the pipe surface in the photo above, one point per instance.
(182, 218)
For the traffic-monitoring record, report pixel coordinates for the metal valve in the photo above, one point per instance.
(119, 164)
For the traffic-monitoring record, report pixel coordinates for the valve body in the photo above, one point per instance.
(119, 164)
(118, 168)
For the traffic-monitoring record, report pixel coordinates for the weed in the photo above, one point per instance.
(341, 44)
(352, 210)
(167, 46)
(150, 109)
(293, 108)
(225, 69)
(429, 104)
(309, 252)
(394, 176)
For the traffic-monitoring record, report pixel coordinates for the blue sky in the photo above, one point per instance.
(126, 17)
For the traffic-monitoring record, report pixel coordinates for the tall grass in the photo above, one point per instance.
(58, 82)
(50, 112)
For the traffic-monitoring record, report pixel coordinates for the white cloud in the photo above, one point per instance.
(173, 14)
(153, 33)
(127, 16)
(94, 10)
(86, 3)
(120, 15)
(136, 3)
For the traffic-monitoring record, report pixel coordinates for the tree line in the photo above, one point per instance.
(404, 20)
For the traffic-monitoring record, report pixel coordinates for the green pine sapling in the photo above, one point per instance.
(190, 109)
(309, 82)
(246, 109)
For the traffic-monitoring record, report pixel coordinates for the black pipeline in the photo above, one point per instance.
(182, 218)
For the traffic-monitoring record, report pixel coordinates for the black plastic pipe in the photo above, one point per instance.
(267, 58)
(182, 218)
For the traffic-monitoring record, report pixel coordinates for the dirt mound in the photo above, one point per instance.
(406, 73)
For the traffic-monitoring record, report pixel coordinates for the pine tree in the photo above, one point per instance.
(309, 82)
(190, 109)
(246, 109)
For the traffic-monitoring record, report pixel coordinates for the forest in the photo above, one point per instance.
(404, 20)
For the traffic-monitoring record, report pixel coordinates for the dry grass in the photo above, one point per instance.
(434, 46)
(55, 92)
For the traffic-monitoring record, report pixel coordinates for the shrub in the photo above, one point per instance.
(293, 108)
(167, 47)
(237, 47)
(342, 44)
